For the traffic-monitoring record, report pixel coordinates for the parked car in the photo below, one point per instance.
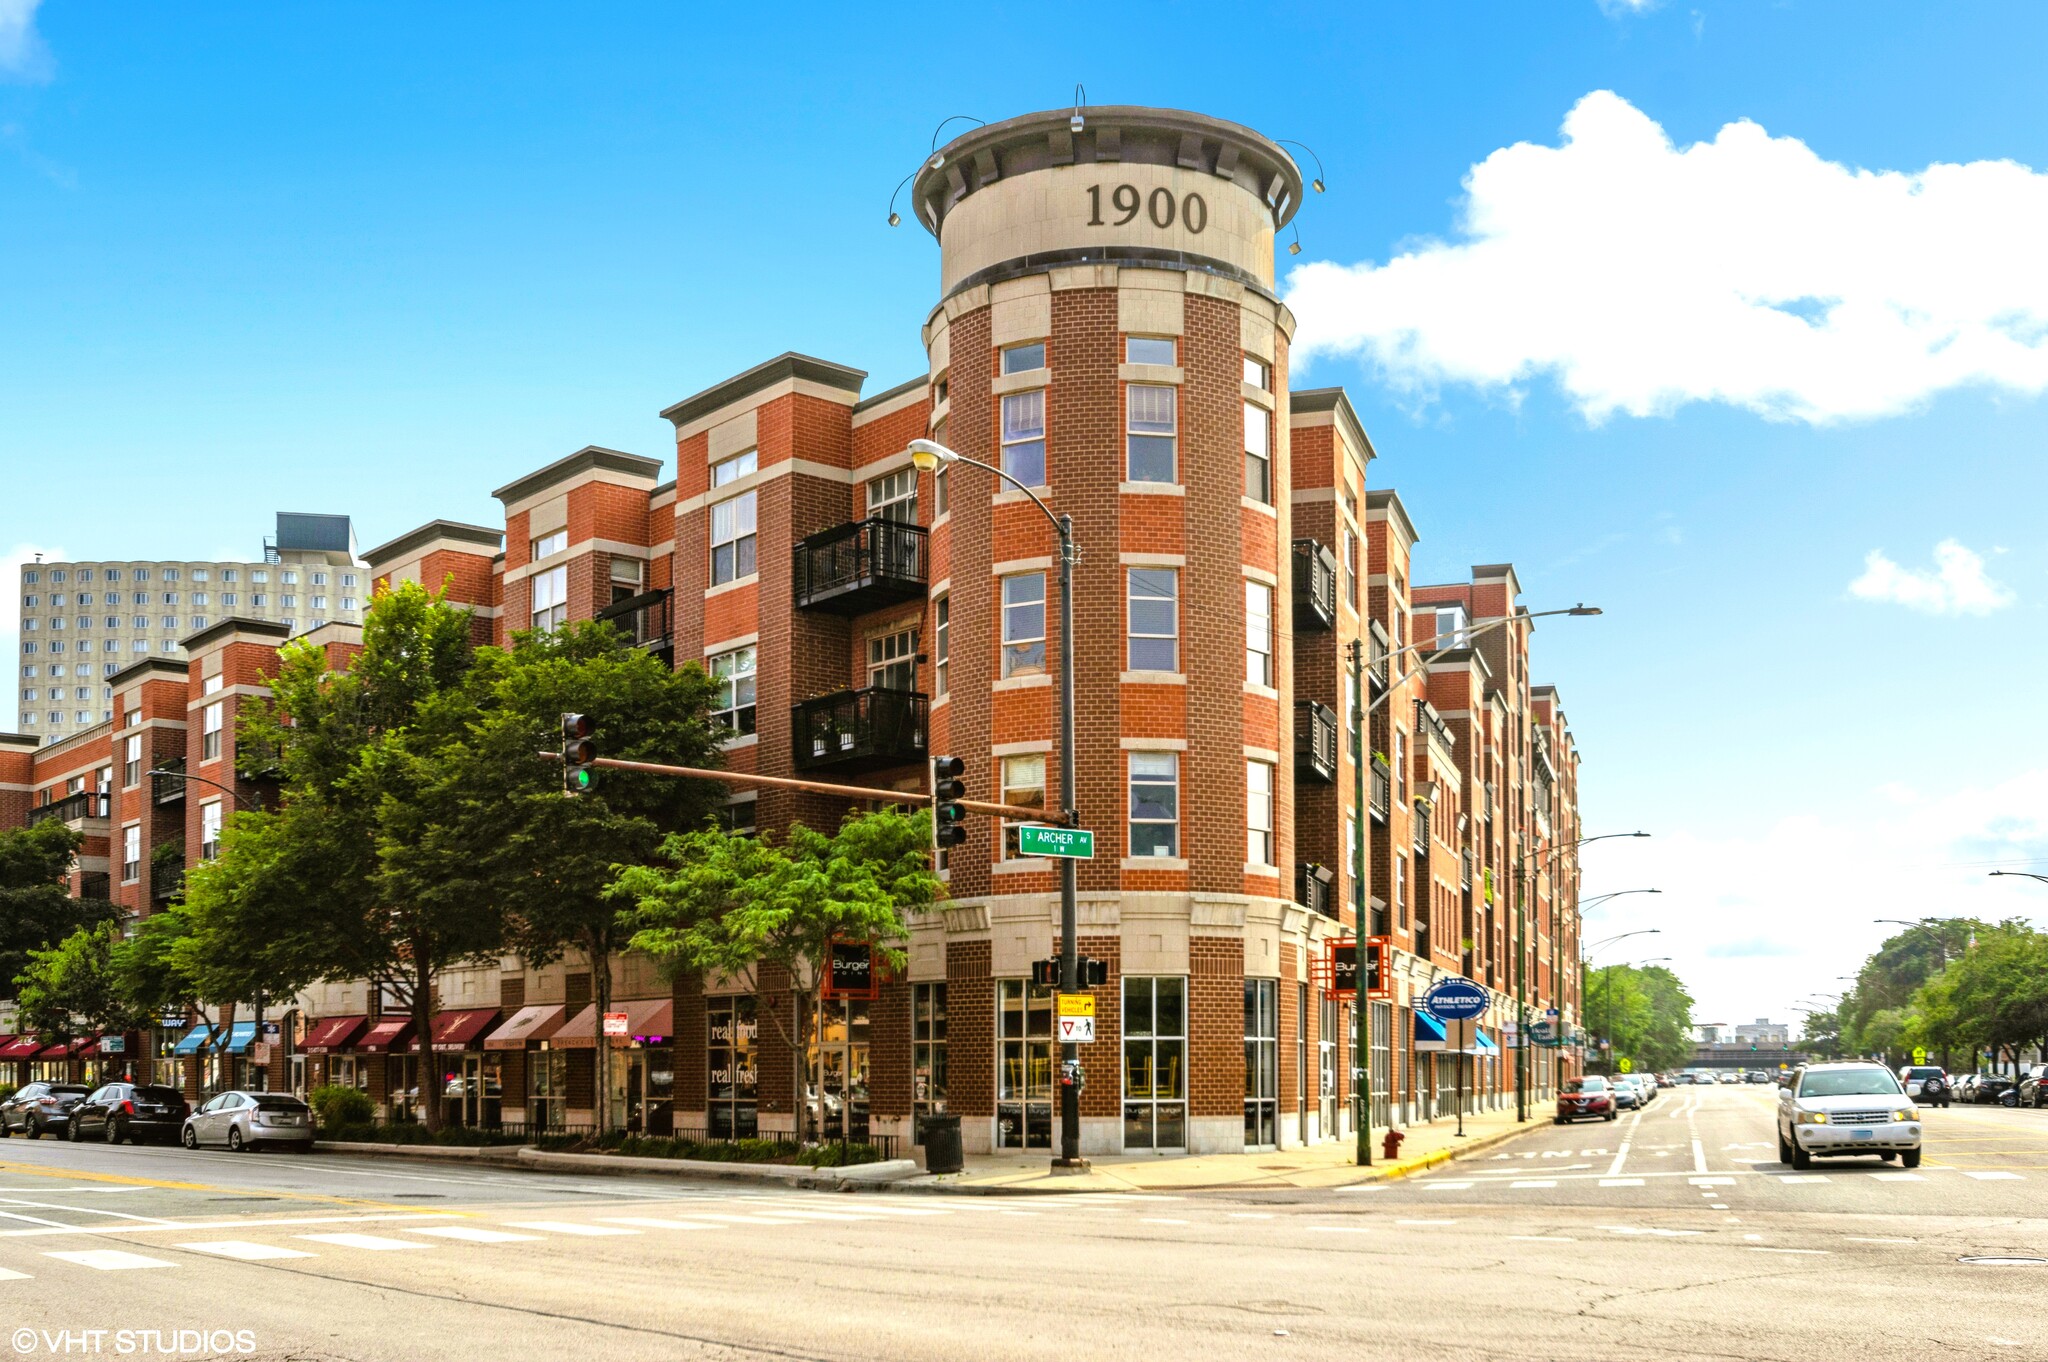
(131, 1112)
(2033, 1089)
(40, 1108)
(1913, 1075)
(1990, 1088)
(1585, 1097)
(1628, 1093)
(1835, 1110)
(1729, 1076)
(244, 1120)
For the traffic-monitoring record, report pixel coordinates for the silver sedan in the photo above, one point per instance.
(244, 1120)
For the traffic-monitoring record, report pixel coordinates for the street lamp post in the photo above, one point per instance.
(2020, 874)
(928, 455)
(1586, 957)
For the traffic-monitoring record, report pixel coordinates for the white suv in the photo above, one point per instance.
(1832, 1110)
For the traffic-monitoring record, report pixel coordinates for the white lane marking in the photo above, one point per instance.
(1627, 1139)
(10, 1275)
(83, 1210)
(1983, 1176)
(573, 1227)
(107, 1260)
(1445, 1186)
(1162, 1220)
(656, 1222)
(1897, 1177)
(38, 1220)
(1250, 1215)
(1760, 1248)
(1425, 1222)
(1535, 1182)
(1338, 1229)
(375, 1242)
(1699, 1157)
(1803, 1177)
(813, 1215)
(1364, 1187)
(1621, 1182)
(1655, 1230)
(1858, 1239)
(201, 1226)
(1711, 1182)
(1017, 1212)
(245, 1251)
(1542, 1239)
(728, 1219)
(471, 1234)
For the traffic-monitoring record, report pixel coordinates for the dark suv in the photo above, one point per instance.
(39, 1108)
(2033, 1089)
(131, 1112)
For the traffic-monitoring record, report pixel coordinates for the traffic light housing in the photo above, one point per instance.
(1046, 973)
(579, 754)
(949, 817)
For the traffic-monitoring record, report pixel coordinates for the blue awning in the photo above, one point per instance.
(1429, 1032)
(190, 1042)
(239, 1037)
(1482, 1044)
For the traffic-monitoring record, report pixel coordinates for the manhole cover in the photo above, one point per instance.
(2005, 1262)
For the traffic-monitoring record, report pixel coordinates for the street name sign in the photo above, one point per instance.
(1456, 998)
(1076, 843)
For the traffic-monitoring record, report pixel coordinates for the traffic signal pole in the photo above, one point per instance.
(1070, 965)
(747, 778)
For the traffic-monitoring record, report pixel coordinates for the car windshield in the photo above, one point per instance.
(1849, 1083)
(1586, 1085)
(155, 1093)
(68, 1089)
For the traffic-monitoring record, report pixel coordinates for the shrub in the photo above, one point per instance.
(335, 1107)
(366, 1132)
(6, 1091)
(839, 1155)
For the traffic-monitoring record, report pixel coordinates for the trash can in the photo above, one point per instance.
(942, 1145)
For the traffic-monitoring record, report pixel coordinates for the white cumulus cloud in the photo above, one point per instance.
(1956, 585)
(1746, 270)
(22, 54)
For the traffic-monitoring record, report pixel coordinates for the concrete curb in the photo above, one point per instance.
(849, 1178)
(499, 1154)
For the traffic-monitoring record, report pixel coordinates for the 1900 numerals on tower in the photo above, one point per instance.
(1160, 207)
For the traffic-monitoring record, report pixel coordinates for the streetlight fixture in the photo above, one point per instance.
(928, 456)
(1584, 904)
(187, 775)
(2020, 875)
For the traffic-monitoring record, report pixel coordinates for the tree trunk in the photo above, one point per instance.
(800, 1066)
(601, 986)
(423, 1039)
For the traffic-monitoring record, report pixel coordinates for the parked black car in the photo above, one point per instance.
(2033, 1089)
(40, 1108)
(131, 1112)
(1994, 1088)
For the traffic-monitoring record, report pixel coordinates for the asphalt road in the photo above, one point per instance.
(1670, 1234)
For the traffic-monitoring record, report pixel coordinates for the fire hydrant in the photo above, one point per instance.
(1390, 1147)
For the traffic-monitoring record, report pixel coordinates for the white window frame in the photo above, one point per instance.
(548, 606)
(1161, 770)
(1258, 633)
(1019, 786)
(1134, 605)
(209, 830)
(1260, 840)
(1258, 452)
(942, 644)
(734, 671)
(1023, 443)
(131, 853)
(735, 526)
(893, 497)
(1019, 645)
(212, 719)
(1153, 427)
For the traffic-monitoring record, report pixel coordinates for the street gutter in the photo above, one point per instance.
(852, 1177)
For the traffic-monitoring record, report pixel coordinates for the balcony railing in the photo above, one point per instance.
(94, 885)
(73, 808)
(1377, 649)
(1381, 786)
(166, 882)
(1315, 741)
(1313, 888)
(1465, 869)
(859, 730)
(644, 619)
(1315, 585)
(169, 787)
(864, 566)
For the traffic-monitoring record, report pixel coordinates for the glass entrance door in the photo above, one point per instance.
(1155, 1070)
(1024, 1065)
(843, 1048)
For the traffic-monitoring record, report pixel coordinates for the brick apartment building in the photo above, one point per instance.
(1107, 331)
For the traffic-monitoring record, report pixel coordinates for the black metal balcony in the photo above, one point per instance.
(1380, 782)
(644, 619)
(1315, 585)
(73, 808)
(869, 564)
(94, 885)
(169, 787)
(1312, 888)
(166, 882)
(859, 730)
(1315, 741)
(1378, 647)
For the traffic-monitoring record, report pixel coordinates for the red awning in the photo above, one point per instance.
(459, 1030)
(21, 1047)
(647, 1019)
(537, 1022)
(63, 1049)
(331, 1035)
(388, 1035)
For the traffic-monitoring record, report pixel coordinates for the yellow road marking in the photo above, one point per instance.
(40, 1171)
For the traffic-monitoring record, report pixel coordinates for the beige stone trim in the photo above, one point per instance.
(1020, 310)
(1153, 559)
(1009, 567)
(1021, 682)
(1153, 744)
(1019, 749)
(1004, 384)
(726, 645)
(1263, 692)
(1152, 678)
(1263, 508)
(1265, 754)
(1261, 575)
(908, 398)
(1151, 489)
(761, 398)
(1169, 375)
(1148, 303)
(735, 436)
(1084, 276)
(751, 579)
(1257, 396)
(1153, 863)
(638, 483)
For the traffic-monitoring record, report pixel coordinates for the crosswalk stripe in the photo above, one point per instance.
(9, 1275)
(1897, 1177)
(245, 1251)
(107, 1260)
(1804, 1177)
(569, 1227)
(822, 1215)
(745, 1219)
(1984, 1175)
(1445, 1186)
(375, 1242)
(656, 1222)
(1534, 1182)
(472, 1234)
(1621, 1182)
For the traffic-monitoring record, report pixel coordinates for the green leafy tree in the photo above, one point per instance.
(741, 905)
(36, 908)
(504, 828)
(1644, 1011)
(1821, 1033)
(150, 967)
(72, 989)
(1892, 973)
(1999, 989)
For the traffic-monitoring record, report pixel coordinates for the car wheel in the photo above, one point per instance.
(2011, 1099)
(1784, 1148)
(74, 1130)
(1909, 1159)
(235, 1139)
(1557, 1120)
(117, 1133)
(1886, 1155)
(1800, 1158)
(30, 1129)
(190, 1138)
(1610, 1115)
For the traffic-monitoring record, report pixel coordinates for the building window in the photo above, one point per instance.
(942, 634)
(199, 598)
(170, 574)
(131, 764)
(1401, 892)
(928, 1049)
(289, 578)
(740, 814)
(348, 579)
(942, 502)
(1149, 350)
(1258, 456)
(732, 1033)
(894, 497)
(288, 602)
(1024, 786)
(732, 538)
(1023, 456)
(1024, 1065)
(1152, 619)
(131, 854)
(1258, 633)
(1024, 624)
(210, 721)
(1450, 627)
(1149, 433)
(1401, 766)
(1155, 803)
(319, 579)
(259, 576)
(735, 468)
(543, 546)
(550, 607)
(733, 704)
(1258, 814)
(227, 598)
(1155, 1024)
(209, 831)
(892, 661)
(319, 603)
(31, 577)
(348, 603)
(229, 575)
(1256, 373)
(1261, 1063)
(1021, 359)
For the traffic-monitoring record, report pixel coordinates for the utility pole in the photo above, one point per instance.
(1070, 958)
(1361, 998)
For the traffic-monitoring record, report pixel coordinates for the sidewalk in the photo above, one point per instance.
(1322, 1165)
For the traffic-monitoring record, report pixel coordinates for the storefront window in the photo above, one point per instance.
(733, 1110)
(844, 1046)
(1326, 1048)
(547, 1089)
(1024, 1065)
(1261, 1062)
(1155, 1074)
(928, 1048)
(402, 1086)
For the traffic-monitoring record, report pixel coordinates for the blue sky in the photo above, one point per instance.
(380, 260)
